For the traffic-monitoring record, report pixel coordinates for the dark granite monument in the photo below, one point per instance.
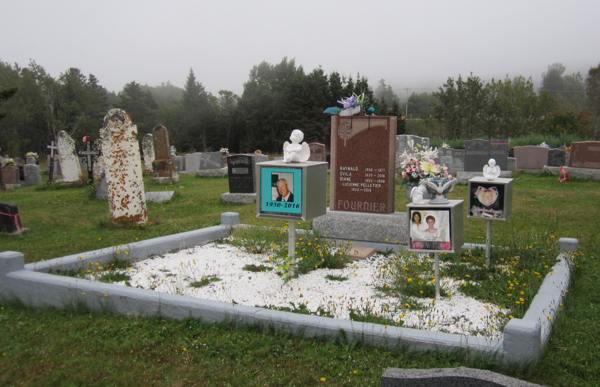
(240, 169)
(10, 220)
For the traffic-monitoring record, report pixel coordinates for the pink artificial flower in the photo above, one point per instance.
(445, 169)
(430, 161)
(404, 175)
(445, 174)
(449, 176)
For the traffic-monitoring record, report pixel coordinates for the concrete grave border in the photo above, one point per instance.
(523, 340)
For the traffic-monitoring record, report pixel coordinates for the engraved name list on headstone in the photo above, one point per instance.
(363, 164)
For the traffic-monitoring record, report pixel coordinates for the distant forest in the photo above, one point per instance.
(278, 98)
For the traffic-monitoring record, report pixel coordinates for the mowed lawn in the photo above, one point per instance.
(76, 347)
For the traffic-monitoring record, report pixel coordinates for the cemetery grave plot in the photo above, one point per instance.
(394, 289)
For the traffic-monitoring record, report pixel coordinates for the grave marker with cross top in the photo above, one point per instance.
(89, 156)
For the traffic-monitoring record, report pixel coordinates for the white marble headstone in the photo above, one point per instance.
(69, 161)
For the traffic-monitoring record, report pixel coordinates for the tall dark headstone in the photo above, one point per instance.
(477, 154)
(499, 152)
(240, 169)
(556, 157)
(10, 219)
(363, 158)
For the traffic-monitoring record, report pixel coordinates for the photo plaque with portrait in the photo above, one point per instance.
(291, 191)
(435, 228)
(490, 200)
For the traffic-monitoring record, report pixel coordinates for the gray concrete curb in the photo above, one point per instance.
(448, 377)
(523, 338)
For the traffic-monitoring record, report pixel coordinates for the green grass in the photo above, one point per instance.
(47, 347)
(204, 282)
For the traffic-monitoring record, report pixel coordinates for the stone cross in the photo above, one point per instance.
(87, 156)
(121, 151)
(52, 147)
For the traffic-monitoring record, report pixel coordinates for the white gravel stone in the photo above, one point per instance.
(173, 273)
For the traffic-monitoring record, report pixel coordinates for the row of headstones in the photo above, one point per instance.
(478, 152)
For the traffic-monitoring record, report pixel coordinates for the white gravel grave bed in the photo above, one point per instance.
(174, 272)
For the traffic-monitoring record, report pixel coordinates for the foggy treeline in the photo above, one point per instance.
(278, 98)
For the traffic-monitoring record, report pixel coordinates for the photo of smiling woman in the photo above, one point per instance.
(431, 234)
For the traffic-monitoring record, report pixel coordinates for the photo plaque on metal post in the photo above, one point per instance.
(436, 228)
(291, 191)
(490, 199)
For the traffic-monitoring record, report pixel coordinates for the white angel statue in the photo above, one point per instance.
(491, 170)
(296, 152)
(417, 194)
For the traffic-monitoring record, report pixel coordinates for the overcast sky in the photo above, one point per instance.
(410, 44)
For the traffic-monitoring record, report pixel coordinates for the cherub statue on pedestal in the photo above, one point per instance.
(296, 152)
(491, 170)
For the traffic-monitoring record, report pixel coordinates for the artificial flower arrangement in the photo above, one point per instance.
(352, 106)
(258, 152)
(32, 154)
(224, 151)
(420, 164)
(8, 162)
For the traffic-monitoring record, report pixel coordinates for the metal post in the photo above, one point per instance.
(292, 269)
(437, 276)
(488, 242)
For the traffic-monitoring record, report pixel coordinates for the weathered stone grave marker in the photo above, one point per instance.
(123, 170)
(211, 160)
(164, 163)
(69, 162)
(478, 152)
(148, 150)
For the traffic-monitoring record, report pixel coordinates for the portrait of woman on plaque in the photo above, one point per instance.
(430, 230)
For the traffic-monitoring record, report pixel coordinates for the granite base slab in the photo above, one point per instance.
(360, 226)
(580, 173)
(238, 198)
(222, 172)
(165, 180)
(159, 197)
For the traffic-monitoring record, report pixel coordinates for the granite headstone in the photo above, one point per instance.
(585, 154)
(317, 151)
(531, 156)
(240, 171)
(363, 160)
(556, 157)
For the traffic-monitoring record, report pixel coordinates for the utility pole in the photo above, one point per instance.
(406, 113)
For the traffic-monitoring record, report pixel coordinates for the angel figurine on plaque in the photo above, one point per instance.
(491, 170)
(297, 151)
